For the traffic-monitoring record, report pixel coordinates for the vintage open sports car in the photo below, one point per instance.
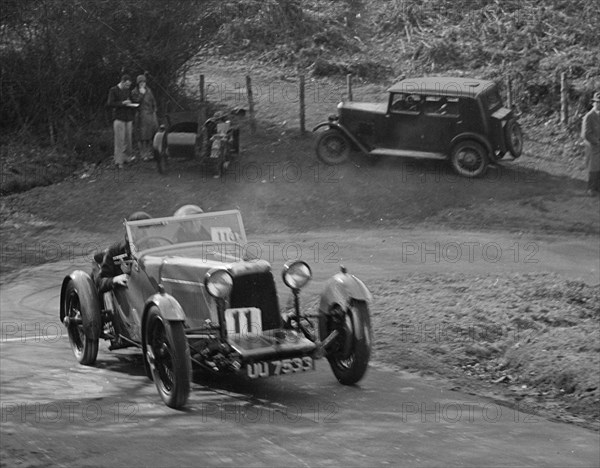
(461, 120)
(195, 295)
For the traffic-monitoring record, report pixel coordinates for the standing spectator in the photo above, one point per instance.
(119, 98)
(590, 132)
(146, 119)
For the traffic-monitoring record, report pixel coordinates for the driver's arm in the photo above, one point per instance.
(110, 271)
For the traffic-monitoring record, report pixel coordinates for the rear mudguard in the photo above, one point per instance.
(340, 290)
(170, 310)
(85, 288)
(336, 126)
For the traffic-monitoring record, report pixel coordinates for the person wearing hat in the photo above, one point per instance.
(146, 122)
(112, 270)
(192, 230)
(590, 132)
(123, 110)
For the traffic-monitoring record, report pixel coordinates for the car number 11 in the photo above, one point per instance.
(280, 367)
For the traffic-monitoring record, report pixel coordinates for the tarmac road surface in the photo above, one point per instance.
(57, 413)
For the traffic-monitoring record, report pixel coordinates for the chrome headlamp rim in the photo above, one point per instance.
(218, 283)
(296, 274)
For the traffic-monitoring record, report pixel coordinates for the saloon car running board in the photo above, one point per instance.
(407, 153)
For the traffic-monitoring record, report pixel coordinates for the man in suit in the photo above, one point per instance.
(590, 132)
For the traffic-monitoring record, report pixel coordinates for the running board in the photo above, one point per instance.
(407, 153)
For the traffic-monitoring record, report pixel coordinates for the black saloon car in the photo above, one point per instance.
(462, 120)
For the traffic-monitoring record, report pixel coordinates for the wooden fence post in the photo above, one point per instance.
(564, 102)
(302, 106)
(201, 86)
(349, 86)
(509, 98)
(250, 104)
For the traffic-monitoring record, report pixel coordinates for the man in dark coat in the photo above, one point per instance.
(590, 132)
(119, 99)
(113, 269)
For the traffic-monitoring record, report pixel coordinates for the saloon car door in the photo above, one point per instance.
(439, 123)
(404, 127)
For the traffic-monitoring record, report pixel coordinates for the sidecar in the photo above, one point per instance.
(196, 296)
(214, 144)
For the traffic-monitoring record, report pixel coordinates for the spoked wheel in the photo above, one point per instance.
(84, 348)
(514, 138)
(350, 355)
(333, 147)
(168, 356)
(469, 159)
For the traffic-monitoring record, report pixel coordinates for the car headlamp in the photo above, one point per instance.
(218, 283)
(296, 274)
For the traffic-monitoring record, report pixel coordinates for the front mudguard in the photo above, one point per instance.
(169, 309)
(86, 289)
(340, 290)
(336, 126)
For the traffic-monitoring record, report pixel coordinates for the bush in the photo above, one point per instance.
(59, 57)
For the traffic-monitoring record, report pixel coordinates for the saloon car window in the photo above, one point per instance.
(403, 102)
(492, 99)
(439, 105)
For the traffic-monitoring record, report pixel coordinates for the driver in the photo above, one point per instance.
(112, 269)
(190, 231)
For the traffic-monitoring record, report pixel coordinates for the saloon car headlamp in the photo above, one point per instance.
(218, 283)
(296, 274)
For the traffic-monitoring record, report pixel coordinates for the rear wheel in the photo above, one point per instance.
(514, 138)
(469, 158)
(82, 324)
(350, 353)
(168, 357)
(333, 147)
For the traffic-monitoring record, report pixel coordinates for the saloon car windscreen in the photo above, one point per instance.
(220, 227)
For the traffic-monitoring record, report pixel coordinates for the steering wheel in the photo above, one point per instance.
(150, 238)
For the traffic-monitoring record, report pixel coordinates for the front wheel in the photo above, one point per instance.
(333, 147)
(83, 315)
(469, 158)
(161, 155)
(351, 351)
(168, 356)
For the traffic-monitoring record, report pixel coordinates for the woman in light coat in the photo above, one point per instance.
(146, 123)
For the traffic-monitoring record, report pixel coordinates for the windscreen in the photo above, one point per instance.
(219, 227)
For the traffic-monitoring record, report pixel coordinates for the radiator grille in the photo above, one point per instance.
(257, 290)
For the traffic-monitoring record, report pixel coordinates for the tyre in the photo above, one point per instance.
(161, 155)
(513, 136)
(82, 309)
(350, 355)
(167, 354)
(469, 158)
(333, 147)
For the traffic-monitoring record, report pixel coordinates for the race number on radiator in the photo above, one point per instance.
(243, 322)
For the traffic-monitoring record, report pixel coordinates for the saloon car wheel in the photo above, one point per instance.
(79, 312)
(514, 138)
(349, 357)
(469, 158)
(333, 147)
(168, 357)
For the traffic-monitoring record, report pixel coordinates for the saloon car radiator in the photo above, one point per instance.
(257, 290)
